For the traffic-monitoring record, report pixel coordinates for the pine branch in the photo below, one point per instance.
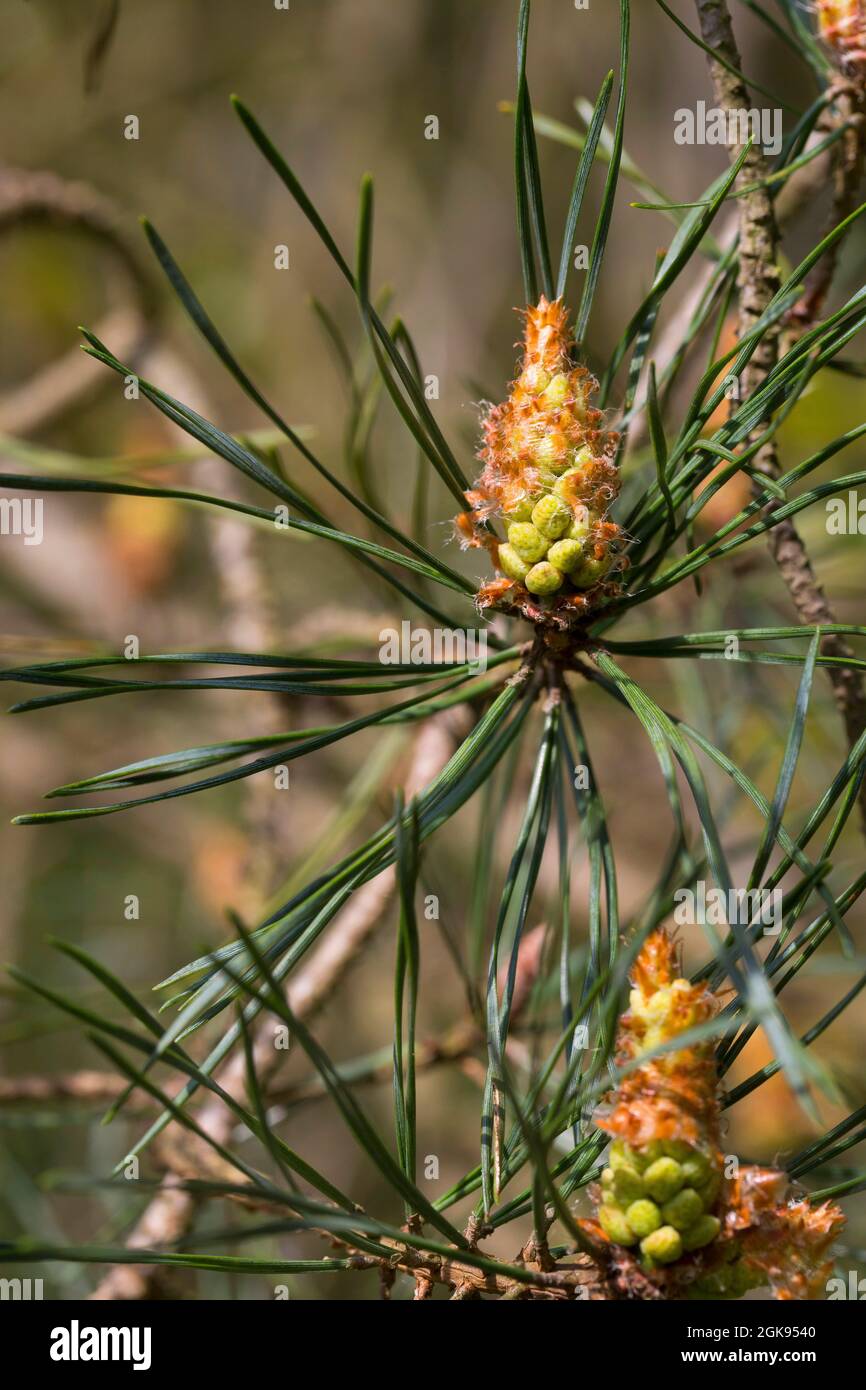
(758, 280)
(169, 1216)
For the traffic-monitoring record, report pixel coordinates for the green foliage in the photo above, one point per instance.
(538, 1147)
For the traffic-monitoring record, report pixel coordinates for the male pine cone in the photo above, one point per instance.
(548, 476)
(692, 1220)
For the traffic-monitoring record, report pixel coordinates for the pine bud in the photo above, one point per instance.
(701, 1233)
(591, 570)
(565, 555)
(551, 517)
(708, 1190)
(643, 1216)
(543, 579)
(615, 1225)
(511, 564)
(663, 1246)
(696, 1167)
(663, 1179)
(621, 1155)
(520, 510)
(627, 1185)
(683, 1210)
(527, 540)
(557, 391)
(679, 1149)
(551, 451)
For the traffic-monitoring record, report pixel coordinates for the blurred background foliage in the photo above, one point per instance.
(342, 86)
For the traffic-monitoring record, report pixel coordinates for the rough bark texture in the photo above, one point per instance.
(847, 109)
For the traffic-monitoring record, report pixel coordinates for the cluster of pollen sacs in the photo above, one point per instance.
(842, 28)
(662, 1185)
(548, 477)
(693, 1223)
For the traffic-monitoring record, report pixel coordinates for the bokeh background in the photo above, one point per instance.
(343, 86)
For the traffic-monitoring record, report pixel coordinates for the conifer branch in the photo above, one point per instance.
(758, 280)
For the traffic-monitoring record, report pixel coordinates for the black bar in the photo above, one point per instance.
(244, 1336)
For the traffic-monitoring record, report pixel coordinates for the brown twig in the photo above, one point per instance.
(579, 1276)
(846, 111)
(85, 1087)
(758, 280)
